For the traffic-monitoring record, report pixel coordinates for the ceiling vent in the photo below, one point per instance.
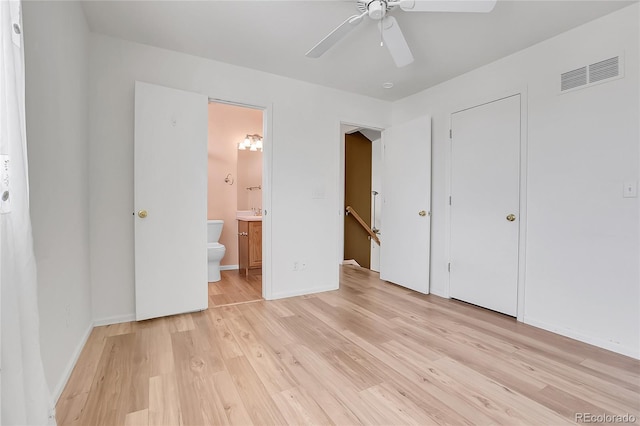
(588, 75)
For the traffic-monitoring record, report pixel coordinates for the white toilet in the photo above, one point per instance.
(215, 250)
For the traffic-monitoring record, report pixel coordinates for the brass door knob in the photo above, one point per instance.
(142, 214)
(511, 217)
(422, 213)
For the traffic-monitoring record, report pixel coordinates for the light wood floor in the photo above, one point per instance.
(236, 287)
(369, 353)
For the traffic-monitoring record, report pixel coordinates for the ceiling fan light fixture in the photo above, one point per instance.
(377, 9)
(391, 34)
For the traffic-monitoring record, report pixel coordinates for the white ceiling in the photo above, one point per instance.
(273, 36)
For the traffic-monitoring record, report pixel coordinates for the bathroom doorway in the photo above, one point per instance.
(235, 196)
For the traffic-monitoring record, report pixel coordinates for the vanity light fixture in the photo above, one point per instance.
(251, 142)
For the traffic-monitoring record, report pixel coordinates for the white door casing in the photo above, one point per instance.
(485, 190)
(170, 184)
(376, 200)
(406, 197)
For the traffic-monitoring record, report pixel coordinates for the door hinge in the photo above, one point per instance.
(449, 199)
(450, 134)
(449, 266)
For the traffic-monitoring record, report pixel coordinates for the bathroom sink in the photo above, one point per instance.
(249, 218)
(247, 215)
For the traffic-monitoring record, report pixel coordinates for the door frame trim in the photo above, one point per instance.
(267, 179)
(522, 223)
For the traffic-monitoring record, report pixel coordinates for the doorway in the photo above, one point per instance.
(485, 204)
(401, 201)
(362, 156)
(234, 195)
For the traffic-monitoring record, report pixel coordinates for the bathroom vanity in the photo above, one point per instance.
(249, 243)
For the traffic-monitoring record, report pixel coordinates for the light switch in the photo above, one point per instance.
(317, 188)
(630, 189)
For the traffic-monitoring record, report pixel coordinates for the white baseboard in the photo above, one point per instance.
(601, 343)
(229, 267)
(57, 391)
(286, 294)
(440, 292)
(114, 320)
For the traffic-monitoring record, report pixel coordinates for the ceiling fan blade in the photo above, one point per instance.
(334, 36)
(395, 41)
(447, 5)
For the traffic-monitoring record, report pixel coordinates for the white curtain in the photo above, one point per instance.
(25, 397)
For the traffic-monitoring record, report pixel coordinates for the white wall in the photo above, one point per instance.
(57, 104)
(249, 175)
(582, 241)
(305, 209)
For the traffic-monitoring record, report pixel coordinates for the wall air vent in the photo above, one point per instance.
(588, 75)
(573, 79)
(603, 70)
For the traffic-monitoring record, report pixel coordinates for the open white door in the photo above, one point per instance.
(170, 201)
(406, 194)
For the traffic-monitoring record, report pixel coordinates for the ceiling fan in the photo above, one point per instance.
(392, 35)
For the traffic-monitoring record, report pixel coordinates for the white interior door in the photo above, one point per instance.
(406, 195)
(485, 191)
(170, 185)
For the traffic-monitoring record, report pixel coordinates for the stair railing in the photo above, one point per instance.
(362, 223)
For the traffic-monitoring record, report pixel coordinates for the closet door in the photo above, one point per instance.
(485, 199)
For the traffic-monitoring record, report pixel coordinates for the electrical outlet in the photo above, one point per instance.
(630, 190)
(299, 266)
